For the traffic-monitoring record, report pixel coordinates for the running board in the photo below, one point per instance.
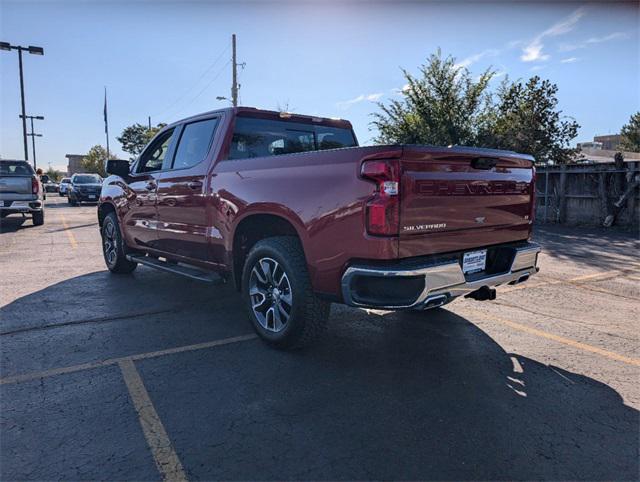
(187, 271)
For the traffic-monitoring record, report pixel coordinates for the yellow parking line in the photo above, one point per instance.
(163, 453)
(560, 339)
(113, 361)
(70, 236)
(601, 276)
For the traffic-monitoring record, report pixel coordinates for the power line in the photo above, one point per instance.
(205, 87)
(181, 97)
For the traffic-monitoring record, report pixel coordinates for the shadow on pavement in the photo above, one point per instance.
(598, 247)
(402, 396)
(15, 222)
(393, 397)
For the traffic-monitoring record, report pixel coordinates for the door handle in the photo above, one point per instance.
(150, 186)
(195, 185)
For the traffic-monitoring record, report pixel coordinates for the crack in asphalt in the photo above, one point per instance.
(90, 320)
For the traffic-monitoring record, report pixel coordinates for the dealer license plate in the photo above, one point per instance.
(92, 196)
(474, 261)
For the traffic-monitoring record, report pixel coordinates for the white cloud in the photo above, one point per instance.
(593, 41)
(361, 98)
(400, 90)
(570, 60)
(467, 62)
(533, 51)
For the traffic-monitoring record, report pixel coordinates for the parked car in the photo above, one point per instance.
(291, 210)
(21, 191)
(84, 188)
(65, 182)
(51, 186)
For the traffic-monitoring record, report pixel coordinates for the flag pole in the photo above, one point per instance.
(106, 121)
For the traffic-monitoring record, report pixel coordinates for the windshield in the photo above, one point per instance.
(87, 180)
(15, 168)
(65, 180)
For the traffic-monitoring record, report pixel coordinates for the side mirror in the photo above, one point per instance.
(119, 167)
(44, 179)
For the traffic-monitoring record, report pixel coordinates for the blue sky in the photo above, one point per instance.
(169, 59)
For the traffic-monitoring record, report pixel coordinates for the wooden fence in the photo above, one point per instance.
(584, 194)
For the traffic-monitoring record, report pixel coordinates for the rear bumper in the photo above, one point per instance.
(21, 206)
(432, 284)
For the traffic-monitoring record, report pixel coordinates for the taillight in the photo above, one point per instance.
(35, 185)
(383, 208)
(532, 210)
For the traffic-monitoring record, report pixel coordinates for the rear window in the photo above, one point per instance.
(265, 137)
(15, 168)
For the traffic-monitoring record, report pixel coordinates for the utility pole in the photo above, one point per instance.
(149, 122)
(33, 135)
(234, 85)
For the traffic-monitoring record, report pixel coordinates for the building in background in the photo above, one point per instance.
(610, 142)
(74, 164)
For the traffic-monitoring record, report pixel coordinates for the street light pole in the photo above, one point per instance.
(24, 118)
(32, 50)
(33, 134)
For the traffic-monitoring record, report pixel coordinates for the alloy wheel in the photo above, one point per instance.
(270, 294)
(109, 243)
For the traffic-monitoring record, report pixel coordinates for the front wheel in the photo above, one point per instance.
(281, 304)
(113, 247)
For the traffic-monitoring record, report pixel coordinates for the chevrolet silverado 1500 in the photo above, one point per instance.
(291, 210)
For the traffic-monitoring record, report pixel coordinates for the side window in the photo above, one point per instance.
(153, 157)
(194, 144)
(334, 138)
(263, 137)
(253, 137)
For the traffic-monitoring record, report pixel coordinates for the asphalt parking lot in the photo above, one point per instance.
(152, 376)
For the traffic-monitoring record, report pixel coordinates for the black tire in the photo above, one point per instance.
(71, 201)
(307, 314)
(113, 248)
(60, 194)
(38, 218)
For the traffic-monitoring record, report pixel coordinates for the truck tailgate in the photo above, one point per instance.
(454, 199)
(15, 184)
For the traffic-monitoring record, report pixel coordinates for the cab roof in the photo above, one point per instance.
(274, 115)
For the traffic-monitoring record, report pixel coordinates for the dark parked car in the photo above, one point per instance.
(290, 209)
(51, 186)
(84, 188)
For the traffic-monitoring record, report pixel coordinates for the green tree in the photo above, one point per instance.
(135, 137)
(631, 134)
(95, 160)
(443, 105)
(446, 105)
(527, 120)
(54, 174)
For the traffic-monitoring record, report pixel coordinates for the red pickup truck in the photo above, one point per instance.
(298, 216)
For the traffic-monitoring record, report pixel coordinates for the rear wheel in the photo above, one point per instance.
(38, 218)
(281, 304)
(113, 247)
